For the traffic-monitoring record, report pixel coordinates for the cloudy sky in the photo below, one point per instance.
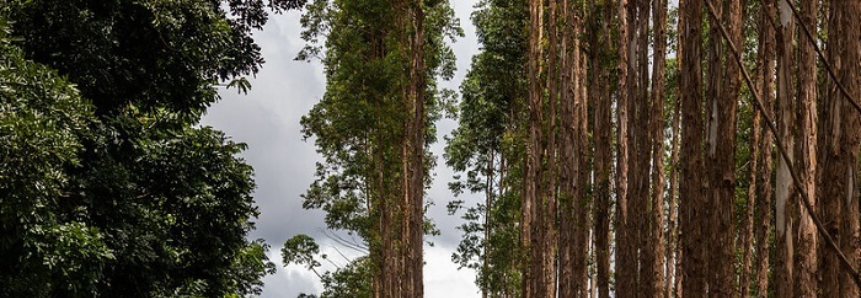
(267, 119)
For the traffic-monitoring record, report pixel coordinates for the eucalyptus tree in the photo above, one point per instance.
(374, 124)
(485, 147)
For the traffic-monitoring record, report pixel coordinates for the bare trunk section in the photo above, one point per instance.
(624, 259)
(713, 159)
(846, 164)
(673, 272)
(691, 210)
(642, 141)
(806, 264)
(550, 195)
(784, 188)
(724, 178)
(603, 148)
(531, 225)
(753, 170)
(657, 142)
(763, 208)
(830, 156)
(415, 202)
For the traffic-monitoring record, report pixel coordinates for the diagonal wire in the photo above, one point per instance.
(822, 57)
(802, 191)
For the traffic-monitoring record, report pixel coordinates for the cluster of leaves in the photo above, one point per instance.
(358, 125)
(491, 130)
(108, 187)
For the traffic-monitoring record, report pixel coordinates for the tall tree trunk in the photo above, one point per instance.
(641, 139)
(550, 195)
(723, 182)
(690, 188)
(675, 215)
(713, 162)
(531, 224)
(624, 276)
(673, 275)
(753, 168)
(806, 263)
(567, 234)
(784, 188)
(840, 179)
(583, 204)
(603, 159)
(830, 153)
(763, 204)
(416, 203)
(657, 143)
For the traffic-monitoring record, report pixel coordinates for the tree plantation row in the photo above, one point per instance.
(626, 148)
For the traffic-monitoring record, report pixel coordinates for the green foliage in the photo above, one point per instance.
(358, 125)
(489, 141)
(41, 115)
(108, 187)
(148, 53)
(352, 280)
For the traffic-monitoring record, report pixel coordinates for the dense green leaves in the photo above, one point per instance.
(108, 187)
(488, 147)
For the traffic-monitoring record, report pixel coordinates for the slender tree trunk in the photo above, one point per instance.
(784, 188)
(567, 279)
(806, 264)
(690, 188)
(603, 159)
(764, 193)
(753, 168)
(673, 276)
(657, 143)
(845, 163)
(531, 225)
(624, 276)
(550, 194)
(583, 203)
(724, 179)
(713, 209)
(675, 215)
(641, 140)
(830, 156)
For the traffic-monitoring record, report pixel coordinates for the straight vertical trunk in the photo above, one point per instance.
(846, 162)
(806, 263)
(583, 205)
(832, 199)
(603, 159)
(690, 188)
(673, 272)
(417, 170)
(646, 254)
(531, 225)
(675, 213)
(550, 195)
(657, 142)
(713, 159)
(753, 168)
(724, 178)
(784, 189)
(624, 259)
(763, 203)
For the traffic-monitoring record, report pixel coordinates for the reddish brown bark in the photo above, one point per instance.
(690, 185)
(806, 263)
(656, 233)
